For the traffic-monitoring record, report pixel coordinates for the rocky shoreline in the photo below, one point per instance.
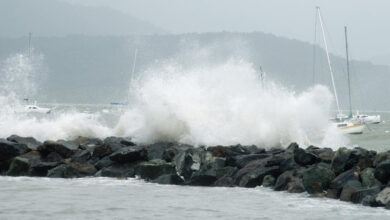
(355, 175)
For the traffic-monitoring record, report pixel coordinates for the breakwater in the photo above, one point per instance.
(355, 175)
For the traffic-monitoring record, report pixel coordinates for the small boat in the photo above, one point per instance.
(36, 109)
(368, 119)
(348, 127)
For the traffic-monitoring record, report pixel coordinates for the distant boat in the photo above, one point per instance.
(347, 124)
(368, 119)
(119, 103)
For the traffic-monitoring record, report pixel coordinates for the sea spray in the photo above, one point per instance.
(224, 104)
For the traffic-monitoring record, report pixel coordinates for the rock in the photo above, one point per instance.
(54, 157)
(225, 181)
(63, 148)
(368, 178)
(369, 201)
(361, 158)
(317, 179)
(283, 180)
(41, 168)
(19, 167)
(126, 141)
(268, 181)
(129, 154)
(103, 163)
(242, 160)
(209, 171)
(30, 142)
(351, 187)
(189, 161)
(359, 195)
(324, 154)
(226, 171)
(252, 174)
(382, 171)
(57, 172)
(304, 158)
(383, 197)
(293, 146)
(340, 160)
(341, 180)
(288, 164)
(106, 149)
(380, 157)
(75, 170)
(86, 143)
(218, 151)
(157, 151)
(253, 149)
(81, 156)
(295, 186)
(9, 150)
(118, 170)
(152, 169)
(171, 179)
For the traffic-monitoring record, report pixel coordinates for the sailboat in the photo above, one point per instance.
(33, 107)
(347, 124)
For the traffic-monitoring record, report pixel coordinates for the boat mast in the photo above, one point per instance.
(29, 44)
(134, 63)
(349, 81)
(327, 55)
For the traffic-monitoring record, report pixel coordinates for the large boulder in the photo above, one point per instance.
(340, 160)
(289, 179)
(19, 167)
(82, 156)
(268, 181)
(63, 148)
(317, 179)
(30, 142)
(324, 154)
(41, 168)
(103, 163)
(382, 171)
(57, 172)
(87, 143)
(359, 195)
(106, 149)
(341, 180)
(350, 188)
(189, 161)
(122, 170)
(129, 154)
(380, 157)
(9, 150)
(210, 170)
(126, 141)
(158, 151)
(75, 170)
(242, 160)
(252, 174)
(368, 178)
(304, 158)
(152, 169)
(383, 197)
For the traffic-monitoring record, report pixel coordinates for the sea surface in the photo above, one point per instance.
(106, 198)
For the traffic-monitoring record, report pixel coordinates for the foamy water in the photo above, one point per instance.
(105, 198)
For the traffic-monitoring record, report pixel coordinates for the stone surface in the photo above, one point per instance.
(252, 174)
(65, 149)
(30, 142)
(9, 149)
(129, 154)
(118, 170)
(359, 195)
(75, 170)
(171, 179)
(341, 180)
(382, 171)
(152, 169)
(317, 179)
(269, 181)
(384, 196)
(304, 158)
(19, 167)
(351, 187)
(368, 178)
(340, 160)
(57, 172)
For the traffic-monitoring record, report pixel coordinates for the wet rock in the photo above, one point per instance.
(118, 170)
(382, 171)
(129, 154)
(351, 187)
(152, 169)
(252, 174)
(210, 170)
(86, 143)
(361, 158)
(76, 170)
(317, 179)
(30, 142)
(53, 157)
(104, 162)
(242, 160)
(283, 180)
(41, 168)
(324, 154)
(226, 171)
(57, 172)
(380, 157)
(189, 161)
(369, 201)
(19, 167)
(269, 181)
(368, 178)
(171, 179)
(340, 160)
(126, 141)
(359, 195)
(293, 146)
(81, 156)
(341, 180)
(9, 150)
(63, 148)
(106, 149)
(225, 181)
(157, 150)
(295, 186)
(383, 197)
(304, 158)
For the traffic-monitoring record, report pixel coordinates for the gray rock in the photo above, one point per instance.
(359, 195)
(129, 154)
(103, 163)
(341, 180)
(86, 143)
(368, 178)
(380, 157)
(19, 167)
(252, 174)
(295, 186)
(383, 197)
(41, 168)
(350, 188)
(382, 171)
(106, 149)
(63, 148)
(118, 170)
(189, 161)
(317, 179)
(269, 181)
(81, 156)
(75, 170)
(9, 150)
(340, 160)
(30, 142)
(304, 158)
(57, 172)
(242, 160)
(157, 150)
(152, 169)
(126, 141)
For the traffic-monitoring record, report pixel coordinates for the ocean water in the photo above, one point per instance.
(105, 198)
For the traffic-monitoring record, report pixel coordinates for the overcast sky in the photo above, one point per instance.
(367, 20)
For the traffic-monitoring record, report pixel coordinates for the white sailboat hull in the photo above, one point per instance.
(370, 119)
(352, 128)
